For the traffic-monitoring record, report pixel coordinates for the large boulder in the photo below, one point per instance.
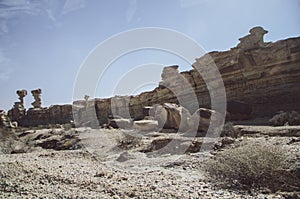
(18, 147)
(120, 123)
(201, 119)
(172, 116)
(146, 125)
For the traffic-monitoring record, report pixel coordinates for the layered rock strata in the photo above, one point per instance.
(259, 78)
(57, 114)
(259, 81)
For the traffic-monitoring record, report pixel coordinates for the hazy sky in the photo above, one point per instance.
(44, 42)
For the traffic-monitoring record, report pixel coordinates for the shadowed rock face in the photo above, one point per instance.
(57, 114)
(238, 110)
(262, 77)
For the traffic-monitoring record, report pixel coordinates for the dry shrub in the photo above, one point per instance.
(67, 126)
(229, 130)
(285, 118)
(250, 166)
(7, 138)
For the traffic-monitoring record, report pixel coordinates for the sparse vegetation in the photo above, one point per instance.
(285, 118)
(7, 138)
(67, 126)
(229, 130)
(250, 166)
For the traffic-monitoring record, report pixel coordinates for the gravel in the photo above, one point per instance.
(85, 174)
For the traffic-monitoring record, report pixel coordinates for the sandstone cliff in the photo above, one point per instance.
(259, 79)
(264, 78)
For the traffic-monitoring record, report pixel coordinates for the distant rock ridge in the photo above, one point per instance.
(260, 79)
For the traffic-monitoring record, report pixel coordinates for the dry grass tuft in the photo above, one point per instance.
(286, 118)
(254, 165)
(229, 130)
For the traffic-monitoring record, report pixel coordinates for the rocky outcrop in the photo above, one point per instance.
(5, 122)
(60, 114)
(57, 114)
(59, 140)
(201, 119)
(3, 119)
(18, 110)
(21, 94)
(253, 40)
(37, 98)
(260, 79)
(30, 140)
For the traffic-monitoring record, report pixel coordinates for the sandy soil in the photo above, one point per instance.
(103, 170)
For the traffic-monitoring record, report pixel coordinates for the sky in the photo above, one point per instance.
(43, 43)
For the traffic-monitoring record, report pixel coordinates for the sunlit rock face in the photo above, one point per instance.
(259, 78)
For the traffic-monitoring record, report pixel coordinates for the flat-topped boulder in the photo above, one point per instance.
(146, 125)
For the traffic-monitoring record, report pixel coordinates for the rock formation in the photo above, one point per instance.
(254, 40)
(3, 119)
(172, 116)
(201, 120)
(18, 110)
(21, 94)
(37, 98)
(120, 123)
(28, 141)
(56, 114)
(260, 79)
(86, 100)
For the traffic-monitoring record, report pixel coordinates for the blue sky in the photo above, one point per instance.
(44, 42)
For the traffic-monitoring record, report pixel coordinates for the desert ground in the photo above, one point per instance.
(115, 163)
